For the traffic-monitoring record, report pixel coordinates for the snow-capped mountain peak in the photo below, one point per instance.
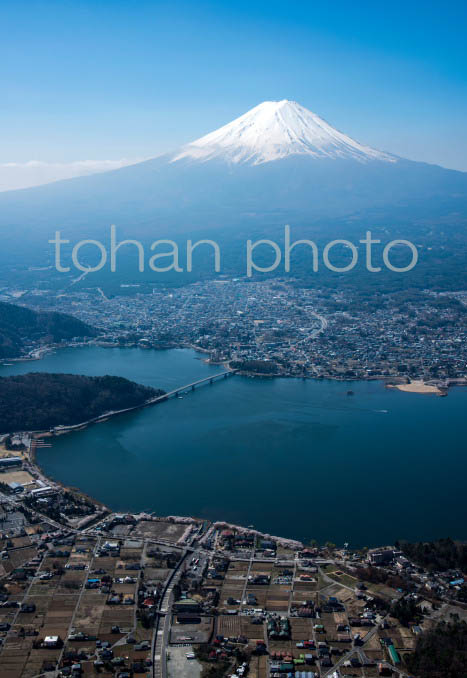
(277, 129)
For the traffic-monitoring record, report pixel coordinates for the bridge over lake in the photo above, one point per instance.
(191, 387)
(152, 401)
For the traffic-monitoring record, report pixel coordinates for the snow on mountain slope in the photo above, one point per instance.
(277, 129)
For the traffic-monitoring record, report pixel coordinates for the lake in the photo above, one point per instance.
(293, 458)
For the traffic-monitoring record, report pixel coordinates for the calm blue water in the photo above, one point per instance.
(294, 458)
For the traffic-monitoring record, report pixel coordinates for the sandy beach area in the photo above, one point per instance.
(417, 386)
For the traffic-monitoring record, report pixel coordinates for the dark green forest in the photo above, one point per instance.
(440, 652)
(440, 555)
(255, 366)
(39, 401)
(21, 326)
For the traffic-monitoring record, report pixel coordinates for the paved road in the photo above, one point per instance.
(324, 324)
(162, 634)
(250, 563)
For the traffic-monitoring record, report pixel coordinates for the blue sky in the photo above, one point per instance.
(102, 80)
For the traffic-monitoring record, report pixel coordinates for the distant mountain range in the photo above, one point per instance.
(279, 163)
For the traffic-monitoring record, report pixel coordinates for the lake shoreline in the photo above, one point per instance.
(196, 456)
(417, 386)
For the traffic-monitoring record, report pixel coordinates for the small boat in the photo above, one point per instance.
(350, 393)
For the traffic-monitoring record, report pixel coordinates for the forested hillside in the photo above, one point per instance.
(443, 554)
(20, 327)
(39, 401)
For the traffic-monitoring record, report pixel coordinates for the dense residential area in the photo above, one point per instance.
(86, 592)
(276, 327)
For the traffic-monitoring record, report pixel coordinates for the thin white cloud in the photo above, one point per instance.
(14, 175)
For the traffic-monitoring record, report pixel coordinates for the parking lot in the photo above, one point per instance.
(178, 666)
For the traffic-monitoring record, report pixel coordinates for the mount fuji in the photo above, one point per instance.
(278, 163)
(275, 130)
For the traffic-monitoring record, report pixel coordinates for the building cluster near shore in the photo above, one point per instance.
(280, 328)
(86, 592)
